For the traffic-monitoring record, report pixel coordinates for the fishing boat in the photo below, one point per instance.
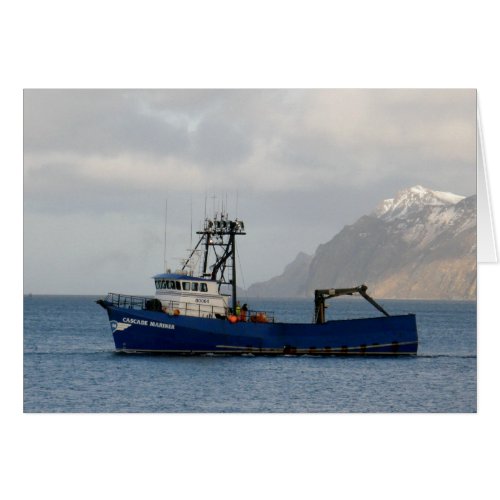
(195, 310)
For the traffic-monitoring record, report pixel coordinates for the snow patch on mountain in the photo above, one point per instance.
(448, 197)
(412, 200)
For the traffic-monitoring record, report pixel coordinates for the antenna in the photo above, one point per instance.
(165, 238)
(213, 202)
(191, 227)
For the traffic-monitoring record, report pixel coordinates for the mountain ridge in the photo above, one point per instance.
(421, 244)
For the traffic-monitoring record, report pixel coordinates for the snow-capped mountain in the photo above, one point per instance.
(412, 200)
(419, 244)
(419, 215)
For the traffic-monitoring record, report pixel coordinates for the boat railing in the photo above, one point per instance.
(175, 308)
(128, 301)
(209, 311)
(258, 316)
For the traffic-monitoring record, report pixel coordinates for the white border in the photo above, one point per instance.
(225, 44)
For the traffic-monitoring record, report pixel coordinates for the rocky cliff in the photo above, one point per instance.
(288, 284)
(420, 244)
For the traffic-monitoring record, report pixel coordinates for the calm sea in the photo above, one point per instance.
(70, 366)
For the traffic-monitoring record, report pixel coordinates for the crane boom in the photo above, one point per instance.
(321, 295)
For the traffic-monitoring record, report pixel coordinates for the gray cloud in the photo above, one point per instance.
(86, 122)
(303, 163)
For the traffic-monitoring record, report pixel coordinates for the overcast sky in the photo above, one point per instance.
(295, 165)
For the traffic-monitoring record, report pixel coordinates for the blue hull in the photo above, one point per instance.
(156, 332)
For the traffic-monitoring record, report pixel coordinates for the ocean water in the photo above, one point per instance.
(70, 366)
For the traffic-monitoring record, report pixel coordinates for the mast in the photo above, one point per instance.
(165, 238)
(218, 240)
(232, 240)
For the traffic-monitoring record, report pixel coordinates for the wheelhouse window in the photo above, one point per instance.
(203, 287)
(177, 285)
(160, 284)
(194, 287)
(186, 285)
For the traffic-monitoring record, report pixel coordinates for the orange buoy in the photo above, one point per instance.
(176, 312)
(261, 318)
(233, 319)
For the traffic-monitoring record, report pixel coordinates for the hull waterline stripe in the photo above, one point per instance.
(264, 351)
(332, 349)
(256, 353)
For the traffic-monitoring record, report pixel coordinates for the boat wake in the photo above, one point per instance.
(462, 356)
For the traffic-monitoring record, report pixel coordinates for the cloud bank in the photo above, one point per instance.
(312, 159)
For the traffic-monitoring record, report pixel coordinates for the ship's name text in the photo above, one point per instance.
(145, 322)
